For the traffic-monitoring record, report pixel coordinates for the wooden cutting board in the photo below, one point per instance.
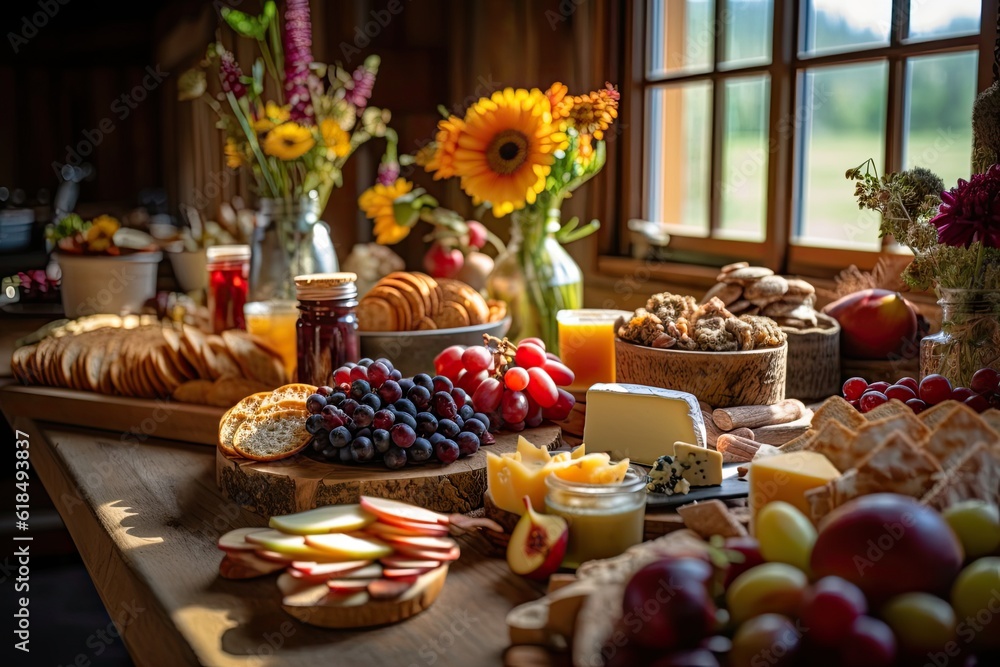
(135, 419)
(300, 483)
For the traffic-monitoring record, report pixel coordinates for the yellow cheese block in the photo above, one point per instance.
(787, 477)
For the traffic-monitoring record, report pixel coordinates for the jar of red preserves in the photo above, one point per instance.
(327, 329)
(228, 284)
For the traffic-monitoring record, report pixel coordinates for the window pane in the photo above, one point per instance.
(681, 36)
(846, 25)
(677, 169)
(939, 93)
(944, 19)
(842, 112)
(744, 159)
(748, 32)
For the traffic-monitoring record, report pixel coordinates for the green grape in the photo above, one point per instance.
(769, 588)
(785, 535)
(921, 622)
(974, 596)
(769, 639)
(977, 525)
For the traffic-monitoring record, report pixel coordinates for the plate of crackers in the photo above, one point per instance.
(411, 316)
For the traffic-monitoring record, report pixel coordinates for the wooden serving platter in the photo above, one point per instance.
(136, 419)
(301, 483)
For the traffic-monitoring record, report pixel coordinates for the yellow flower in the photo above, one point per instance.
(506, 149)
(289, 141)
(442, 161)
(377, 202)
(270, 116)
(233, 157)
(423, 157)
(101, 232)
(337, 141)
(590, 114)
(556, 93)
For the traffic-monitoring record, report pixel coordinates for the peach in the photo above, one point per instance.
(874, 323)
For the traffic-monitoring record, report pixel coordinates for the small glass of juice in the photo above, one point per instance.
(274, 323)
(587, 345)
(604, 519)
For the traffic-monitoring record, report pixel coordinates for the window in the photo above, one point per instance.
(752, 110)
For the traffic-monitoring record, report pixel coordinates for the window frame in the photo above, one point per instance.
(785, 71)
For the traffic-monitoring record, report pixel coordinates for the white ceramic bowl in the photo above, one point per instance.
(107, 284)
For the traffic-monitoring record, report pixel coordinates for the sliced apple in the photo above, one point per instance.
(430, 554)
(293, 546)
(289, 585)
(235, 540)
(405, 573)
(420, 542)
(393, 509)
(329, 519)
(273, 556)
(245, 565)
(400, 562)
(538, 543)
(329, 569)
(388, 589)
(349, 547)
(348, 586)
(411, 530)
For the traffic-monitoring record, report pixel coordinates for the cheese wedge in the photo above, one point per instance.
(641, 423)
(788, 477)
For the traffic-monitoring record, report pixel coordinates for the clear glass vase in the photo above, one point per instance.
(289, 240)
(969, 338)
(536, 276)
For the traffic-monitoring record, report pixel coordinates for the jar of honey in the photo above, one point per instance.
(327, 328)
(228, 284)
(604, 519)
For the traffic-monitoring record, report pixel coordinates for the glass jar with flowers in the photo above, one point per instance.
(293, 124)
(522, 153)
(955, 240)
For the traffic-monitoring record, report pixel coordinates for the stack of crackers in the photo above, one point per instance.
(412, 301)
(944, 455)
(755, 290)
(267, 426)
(141, 357)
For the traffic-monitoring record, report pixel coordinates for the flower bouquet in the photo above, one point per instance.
(293, 124)
(521, 153)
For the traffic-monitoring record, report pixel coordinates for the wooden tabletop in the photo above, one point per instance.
(145, 517)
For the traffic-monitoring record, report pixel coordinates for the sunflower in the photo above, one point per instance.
(233, 157)
(100, 235)
(505, 150)
(556, 93)
(442, 161)
(289, 141)
(378, 204)
(271, 115)
(337, 141)
(590, 114)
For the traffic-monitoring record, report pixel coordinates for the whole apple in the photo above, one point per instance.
(442, 262)
(667, 604)
(887, 544)
(874, 323)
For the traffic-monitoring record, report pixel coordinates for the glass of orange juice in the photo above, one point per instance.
(587, 344)
(274, 323)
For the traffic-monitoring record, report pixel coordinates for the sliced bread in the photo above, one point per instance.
(272, 436)
(289, 392)
(235, 416)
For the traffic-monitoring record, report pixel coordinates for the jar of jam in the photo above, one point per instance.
(327, 329)
(228, 284)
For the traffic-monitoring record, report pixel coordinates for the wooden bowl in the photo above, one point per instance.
(721, 379)
(813, 360)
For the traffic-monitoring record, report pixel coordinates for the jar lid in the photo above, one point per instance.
(326, 286)
(227, 253)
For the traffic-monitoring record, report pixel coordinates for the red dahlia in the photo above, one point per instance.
(970, 212)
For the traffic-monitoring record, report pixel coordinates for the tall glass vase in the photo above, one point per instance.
(536, 276)
(969, 338)
(289, 240)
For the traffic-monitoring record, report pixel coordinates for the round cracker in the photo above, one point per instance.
(375, 314)
(452, 316)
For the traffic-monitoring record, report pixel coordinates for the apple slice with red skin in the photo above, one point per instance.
(380, 529)
(430, 554)
(405, 574)
(443, 543)
(405, 563)
(273, 556)
(329, 569)
(388, 589)
(235, 540)
(394, 509)
(348, 586)
(246, 566)
(538, 543)
(289, 585)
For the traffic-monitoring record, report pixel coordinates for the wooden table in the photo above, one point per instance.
(145, 518)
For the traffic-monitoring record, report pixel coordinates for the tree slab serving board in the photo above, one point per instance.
(300, 483)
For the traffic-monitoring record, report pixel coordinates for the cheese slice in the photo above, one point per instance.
(640, 423)
(788, 477)
(688, 468)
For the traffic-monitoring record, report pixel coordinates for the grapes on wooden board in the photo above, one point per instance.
(359, 373)
(447, 451)
(420, 396)
(421, 450)
(382, 440)
(516, 379)
(514, 407)
(830, 608)
(441, 383)
(402, 435)
(529, 355)
(447, 427)
(395, 458)
(427, 423)
(362, 449)
(363, 416)
(384, 419)
(314, 423)
(315, 404)
(468, 443)
(934, 388)
(406, 418)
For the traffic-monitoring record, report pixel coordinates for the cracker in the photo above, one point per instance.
(256, 364)
(426, 324)
(961, 428)
(889, 409)
(398, 303)
(799, 443)
(452, 315)
(992, 418)
(271, 437)
(935, 414)
(290, 392)
(709, 518)
(376, 314)
(224, 364)
(415, 300)
(424, 287)
(196, 350)
(193, 391)
(831, 441)
(975, 475)
(837, 409)
(744, 275)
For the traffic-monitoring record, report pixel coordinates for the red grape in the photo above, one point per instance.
(534, 341)
(978, 403)
(402, 435)
(900, 393)
(359, 373)
(514, 407)
(854, 387)
(934, 389)
(535, 415)
(830, 608)
(342, 376)
(870, 643)
(377, 374)
(441, 383)
(916, 405)
(562, 408)
(477, 359)
(909, 382)
(516, 427)
(871, 400)
(449, 361)
(516, 379)
(878, 386)
(470, 381)
(559, 372)
(856, 405)
(447, 451)
(984, 381)
(542, 388)
(529, 355)
(961, 394)
(459, 395)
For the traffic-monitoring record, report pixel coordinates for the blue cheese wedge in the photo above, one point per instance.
(640, 423)
(688, 468)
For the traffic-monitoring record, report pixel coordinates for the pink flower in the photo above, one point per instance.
(230, 73)
(361, 90)
(297, 39)
(970, 212)
(388, 172)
